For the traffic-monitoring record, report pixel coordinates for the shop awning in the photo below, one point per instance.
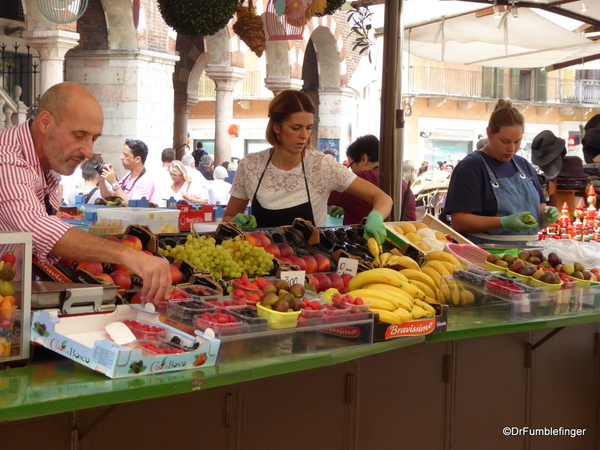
(485, 40)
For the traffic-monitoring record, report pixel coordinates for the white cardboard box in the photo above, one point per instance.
(84, 340)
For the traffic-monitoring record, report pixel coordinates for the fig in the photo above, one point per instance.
(297, 304)
(548, 278)
(281, 306)
(281, 284)
(524, 270)
(554, 259)
(577, 274)
(537, 253)
(578, 267)
(515, 266)
(569, 269)
(269, 289)
(492, 258)
(534, 260)
(546, 264)
(501, 263)
(524, 255)
(297, 290)
(587, 275)
(538, 274)
(288, 298)
(269, 299)
(508, 258)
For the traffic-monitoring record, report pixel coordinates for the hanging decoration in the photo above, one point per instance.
(332, 7)
(62, 11)
(233, 129)
(285, 19)
(315, 8)
(197, 17)
(136, 13)
(249, 27)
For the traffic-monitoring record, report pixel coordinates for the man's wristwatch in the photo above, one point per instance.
(115, 186)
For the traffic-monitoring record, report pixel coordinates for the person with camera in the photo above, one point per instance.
(90, 171)
(134, 186)
(33, 156)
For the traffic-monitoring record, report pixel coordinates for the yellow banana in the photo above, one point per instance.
(378, 275)
(418, 312)
(394, 273)
(429, 292)
(392, 290)
(426, 306)
(455, 296)
(413, 275)
(388, 316)
(392, 294)
(466, 297)
(431, 300)
(371, 293)
(442, 256)
(433, 274)
(403, 315)
(403, 262)
(449, 266)
(377, 303)
(384, 258)
(413, 291)
(438, 267)
(374, 250)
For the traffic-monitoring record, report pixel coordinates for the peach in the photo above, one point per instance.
(285, 260)
(324, 281)
(122, 268)
(137, 298)
(95, 268)
(121, 279)
(106, 277)
(273, 250)
(311, 264)
(132, 241)
(263, 238)
(285, 250)
(313, 280)
(176, 274)
(336, 281)
(324, 264)
(254, 240)
(298, 262)
(346, 277)
(113, 238)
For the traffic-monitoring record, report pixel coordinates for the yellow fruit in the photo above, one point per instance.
(466, 297)
(413, 237)
(455, 296)
(388, 316)
(378, 275)
(407, 227)
(427, 307)
(441, 236)
(398, 230)
(400, 262)
(380, 295)
(403, 315)
(441, 256)
(428, 291)
(420, 225)
(422, 246)
(433, 274)
(415, 275)
(418, 312)
(377, 303)
(440, 268)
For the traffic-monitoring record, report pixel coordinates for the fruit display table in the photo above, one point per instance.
(456, 389)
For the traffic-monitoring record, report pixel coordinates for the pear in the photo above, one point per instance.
(579, 267)
(569, 269)
(6, 288)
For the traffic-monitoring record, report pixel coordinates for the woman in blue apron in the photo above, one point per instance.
(493, 189)
(291, 180)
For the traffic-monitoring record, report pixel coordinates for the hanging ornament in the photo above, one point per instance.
(285, 19)
(62, 11)
(315, 8)
(249, 27)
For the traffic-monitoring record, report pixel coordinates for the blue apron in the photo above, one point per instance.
(513, 195)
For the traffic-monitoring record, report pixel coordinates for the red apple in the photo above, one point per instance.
(324, 281)
(121, 279)
(95, 268)
(336, 281)
(313, 280)
(285, 260)
(346, 277)
(311, 264)
(298, 262)
(273, 250)
(106, 277)
(285, 250)
(122, 268)
(176, 274)
(344, 290)
(324, 265)
(132, 241)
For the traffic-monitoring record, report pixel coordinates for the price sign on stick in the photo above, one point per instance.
(347, 265)
(293, 277)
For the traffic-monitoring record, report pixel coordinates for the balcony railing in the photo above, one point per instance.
(447, 82)
(252, 86)
(580, 91)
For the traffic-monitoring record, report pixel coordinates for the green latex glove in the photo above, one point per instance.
(336, 211)
(514, 222)
(244, 221)
(550, 214)
(375, 227)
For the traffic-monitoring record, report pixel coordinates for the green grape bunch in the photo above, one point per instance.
(254, 260)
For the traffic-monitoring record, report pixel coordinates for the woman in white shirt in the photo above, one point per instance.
(182, 187)
(218, 189)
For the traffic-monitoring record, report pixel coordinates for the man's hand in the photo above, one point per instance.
(156, 274)
(515, 223)
(550, 214)
(109, 174)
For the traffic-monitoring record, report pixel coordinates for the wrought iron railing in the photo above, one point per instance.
(580, 91)
(20, 67)
(442, 81)
(252, 86)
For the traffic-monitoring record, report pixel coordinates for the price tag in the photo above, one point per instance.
(293, 277)
(347, 265)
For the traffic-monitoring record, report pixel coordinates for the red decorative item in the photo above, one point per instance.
(136, 13)
(285, 19)
(233, 129)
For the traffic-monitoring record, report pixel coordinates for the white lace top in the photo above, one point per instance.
(283, 189)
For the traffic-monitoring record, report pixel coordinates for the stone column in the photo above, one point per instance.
(277, 84)
(337, 109)
(225, 78)
(52, 46)
(180, 124)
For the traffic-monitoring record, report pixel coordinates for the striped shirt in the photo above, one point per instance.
(23, 186)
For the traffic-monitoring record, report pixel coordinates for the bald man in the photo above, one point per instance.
(33, 155)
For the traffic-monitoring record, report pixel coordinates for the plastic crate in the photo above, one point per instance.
(467, 254)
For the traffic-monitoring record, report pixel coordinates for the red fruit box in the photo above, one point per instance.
(222, 322)
(418, 327)
(145, 330)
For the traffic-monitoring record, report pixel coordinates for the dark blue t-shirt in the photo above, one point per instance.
(470, 189)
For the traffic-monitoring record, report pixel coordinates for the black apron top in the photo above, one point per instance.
(269, 218)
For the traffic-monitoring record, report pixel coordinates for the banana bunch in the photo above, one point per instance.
(438, 265)
(395, 261)
(391, 295)
(374, 249)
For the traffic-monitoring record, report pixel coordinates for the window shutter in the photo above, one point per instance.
(487, 83)
(541, 86)
(515, 83)
(499, 82)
